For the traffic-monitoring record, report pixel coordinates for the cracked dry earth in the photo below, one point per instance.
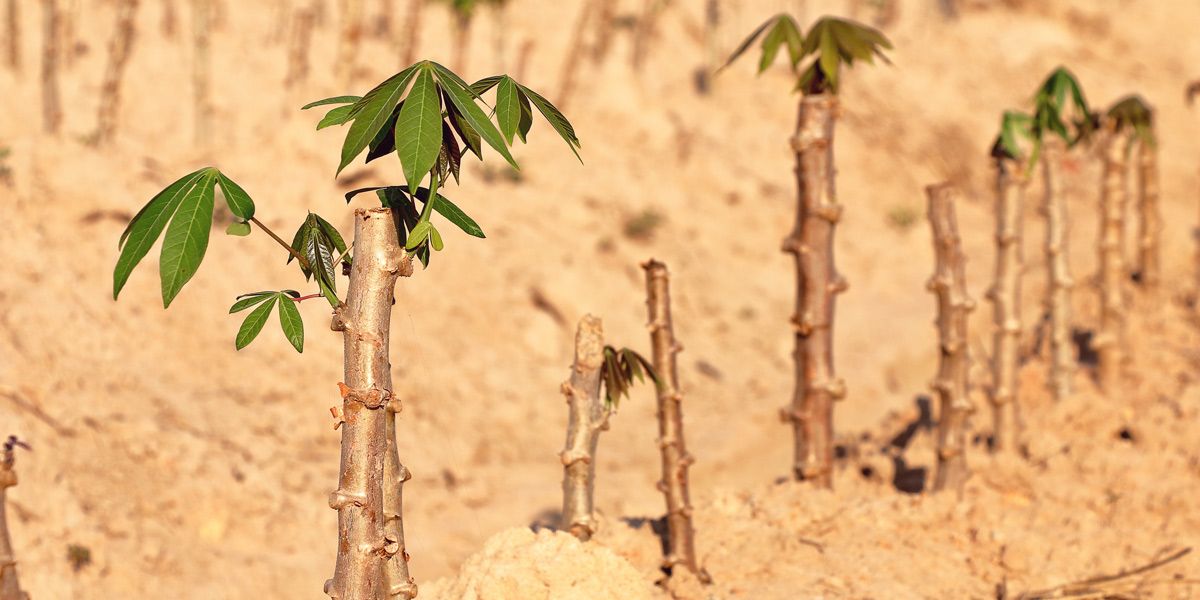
(189, 470)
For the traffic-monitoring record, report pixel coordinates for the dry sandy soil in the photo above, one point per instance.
(189, 470)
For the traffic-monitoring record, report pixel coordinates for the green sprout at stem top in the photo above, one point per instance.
(833, 41)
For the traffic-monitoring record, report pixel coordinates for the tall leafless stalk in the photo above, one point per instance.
(51, 108)
(298, 47)
(68, 19)
(118, 56)
(949, 283)
(645, 31)
(10, 587)
(371, 560)
(1151, 223)
(348, 41)
(1058, 293)
(606, 11)
(587, 418)
(1005, 295)
(681, 547)
(12, 33)
(571, 63)
(201, 21)
(818, 282)
(1110, 337)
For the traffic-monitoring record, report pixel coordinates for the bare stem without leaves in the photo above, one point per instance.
(411, 33)
(1006, 305)
(681, 547)
(371, 561)
(349, 40)
(12, 30)
(1110, 337)
(10, 587)
(1149, 254)
(118, 56)
(588, 417)
(818, 282)
(51, 108)
(1058, 294)
(571, 64)
(201, 21)
(298, 47)
(949, 283)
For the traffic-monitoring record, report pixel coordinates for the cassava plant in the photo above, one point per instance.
(10, 587)
(595, 364)
(429, 118)
(834, 43)
(1005, 293)
(1059, 99)
(1134, 117)
(949, 283)
(681, 545)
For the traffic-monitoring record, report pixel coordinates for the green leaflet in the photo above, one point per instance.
(289, 320)
(334, 100)
(508, 109)
(337, 116)
(419, 129)
(320, 244)
(555, 117)
(417, 236)
(236, 198)
(254, 322)
(186, 238)
(240, 229)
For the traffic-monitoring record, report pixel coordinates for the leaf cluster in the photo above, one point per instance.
(618, 371)
(1133, 113)
(187, 205)
(289, 316)
(323, 249)
(1058, 98)
(833, 41)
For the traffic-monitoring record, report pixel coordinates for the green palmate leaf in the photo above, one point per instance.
(187, 204)
(334, 100)
(247, 300)
(337, 116)
(554, 117)
(254, 322)
(464, 100)
(419, 129)
(828, 58)
(508, 108)
(372, 112)
(435, 239)
(786, 32)
(321, 245)
(418, 235)
(236, 198)
(289, 320)
(186, 238)
(145, 227)
(455, 215)
(240, 229)
(1012, 125)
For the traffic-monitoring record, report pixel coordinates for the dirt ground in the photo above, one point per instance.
(189, 470)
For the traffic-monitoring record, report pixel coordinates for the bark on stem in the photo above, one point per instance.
(1110, 336)
(1058, 293)
(949, 283)
(818, 282)
(118, 56)
(1006, 305)
(10, 587)
(1149, 261)
(681, 547)
(588, 417)
(371, 558)
(51, 108)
